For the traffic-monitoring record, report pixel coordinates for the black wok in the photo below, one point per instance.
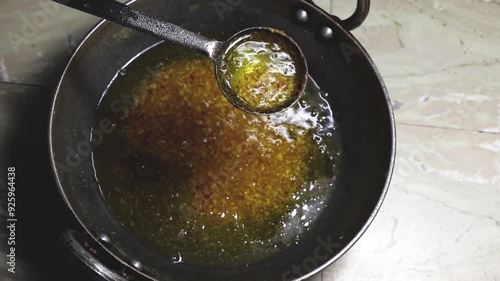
(337, 63)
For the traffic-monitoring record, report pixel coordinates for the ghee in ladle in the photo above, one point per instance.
(265, 71)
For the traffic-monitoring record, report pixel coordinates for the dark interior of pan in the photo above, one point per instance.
(337, 63)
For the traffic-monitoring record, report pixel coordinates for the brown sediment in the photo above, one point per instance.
(232, 162)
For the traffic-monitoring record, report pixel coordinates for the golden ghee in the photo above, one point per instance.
(194, 178)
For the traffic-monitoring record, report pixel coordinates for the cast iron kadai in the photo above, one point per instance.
(337, 62)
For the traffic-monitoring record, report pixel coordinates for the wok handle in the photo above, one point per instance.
(75, 245)
(122, 14)
(356, 19)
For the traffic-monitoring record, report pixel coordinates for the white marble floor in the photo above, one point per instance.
(441, 63)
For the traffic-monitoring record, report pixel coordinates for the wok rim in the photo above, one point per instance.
(53, 165)
(392, 159)
(320, 268)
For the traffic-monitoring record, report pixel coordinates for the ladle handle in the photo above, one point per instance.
(124, 15)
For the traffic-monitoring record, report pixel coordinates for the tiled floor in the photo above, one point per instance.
(441, 63)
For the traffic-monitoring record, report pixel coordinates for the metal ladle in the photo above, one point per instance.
(218, 51)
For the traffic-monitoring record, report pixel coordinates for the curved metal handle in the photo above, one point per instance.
(359, 15)
(356, 19)
(74, 243)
